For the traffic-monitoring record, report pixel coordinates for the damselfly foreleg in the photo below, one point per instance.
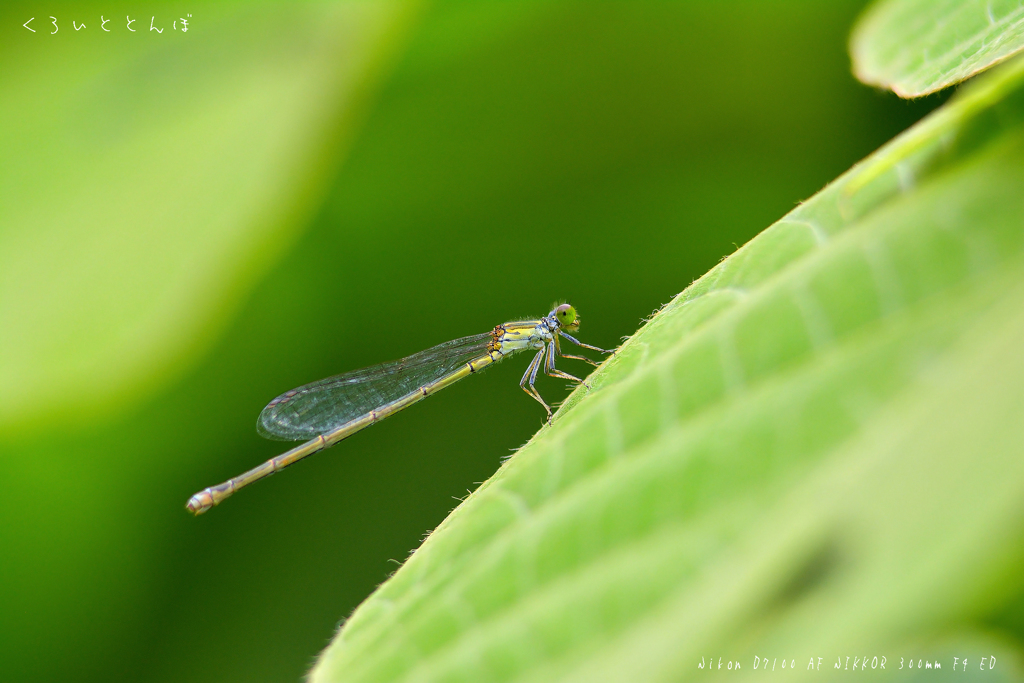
(558, 349)
(577, 342)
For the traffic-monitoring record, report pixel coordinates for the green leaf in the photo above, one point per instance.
(150, 179)
(813, 451)
(916, 47)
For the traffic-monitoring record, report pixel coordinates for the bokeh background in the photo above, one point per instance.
(193, 224)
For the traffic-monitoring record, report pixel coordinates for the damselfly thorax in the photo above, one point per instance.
(521, 336)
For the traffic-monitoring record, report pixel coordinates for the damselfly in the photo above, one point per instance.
(332, 409)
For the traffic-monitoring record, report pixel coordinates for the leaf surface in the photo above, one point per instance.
(916, 47)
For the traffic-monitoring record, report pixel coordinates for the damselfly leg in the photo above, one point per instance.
(530, 376)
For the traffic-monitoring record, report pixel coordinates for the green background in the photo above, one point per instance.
(503, 158)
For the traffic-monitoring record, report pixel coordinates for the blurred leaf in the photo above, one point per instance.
(150, 179)
(916, 47)
(812, 451)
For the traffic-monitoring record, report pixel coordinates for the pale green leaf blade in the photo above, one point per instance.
(820, 426)
(916, 47)
(136, 211)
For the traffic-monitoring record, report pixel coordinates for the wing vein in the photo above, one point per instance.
(319, 407)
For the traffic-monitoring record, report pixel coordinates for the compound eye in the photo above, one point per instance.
(565, 314)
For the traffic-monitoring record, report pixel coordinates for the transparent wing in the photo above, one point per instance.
(319, 407)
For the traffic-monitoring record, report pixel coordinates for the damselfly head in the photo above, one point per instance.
(567, 318)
